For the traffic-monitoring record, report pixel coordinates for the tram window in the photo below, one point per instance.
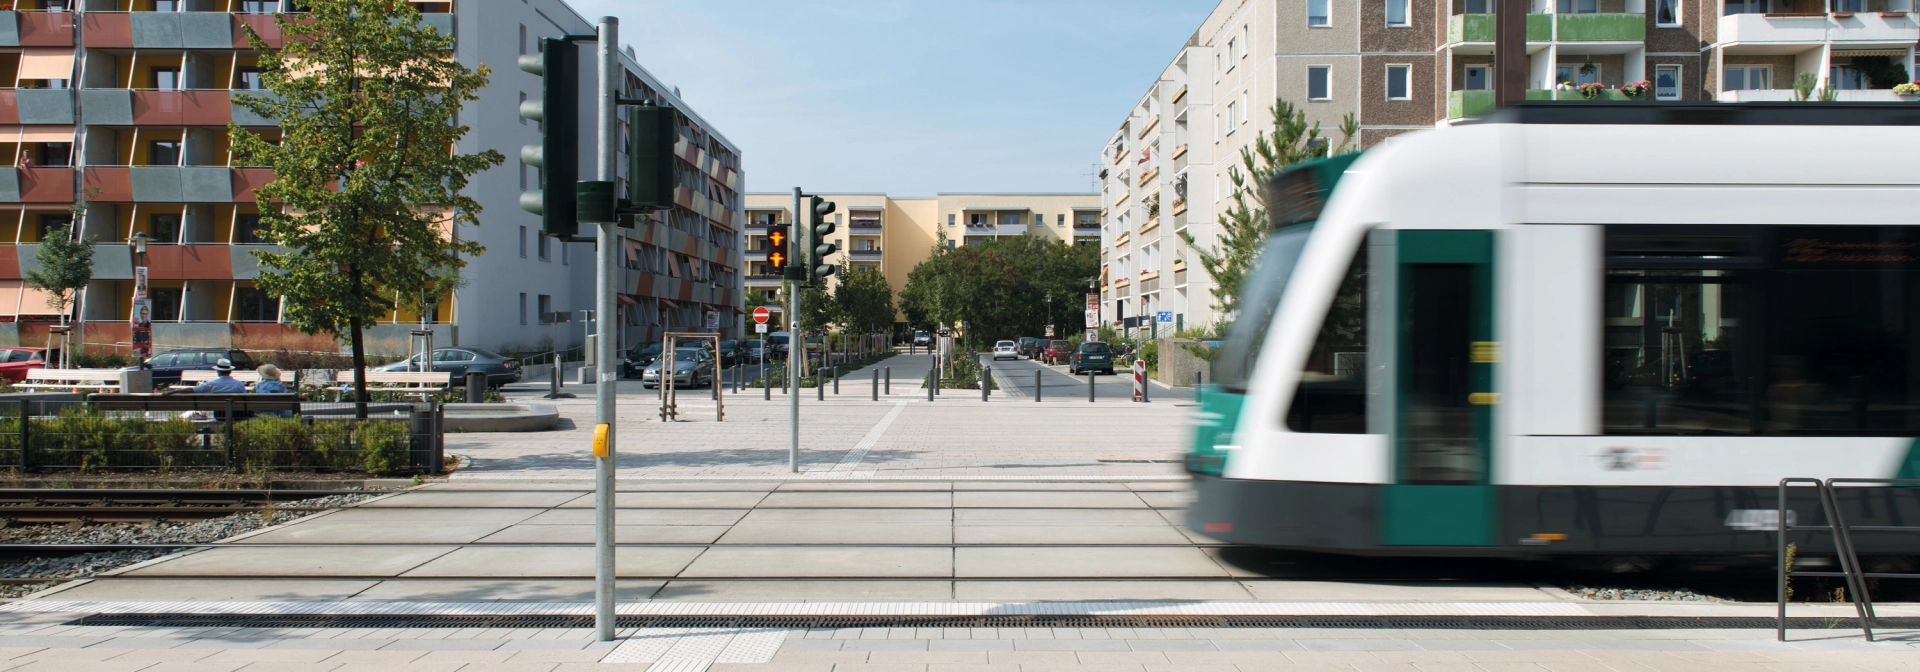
(1332, 396)
(1811, 331)
(1259, 298)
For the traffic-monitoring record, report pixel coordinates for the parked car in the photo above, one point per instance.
(637, 359)
(1028, 345)
(1057, 351)
(1006, 350)
(922, 339)
(692, 367)
(1092, 356)
(14, 362)
(729, 353)
(500, 369)
(750, 351)
(777, 345)
(168, 365)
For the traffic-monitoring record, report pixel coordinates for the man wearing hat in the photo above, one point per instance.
(223, 381)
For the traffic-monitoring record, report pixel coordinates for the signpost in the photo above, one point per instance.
(1093, 316)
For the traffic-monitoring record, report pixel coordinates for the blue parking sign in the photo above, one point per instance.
(1163, 316)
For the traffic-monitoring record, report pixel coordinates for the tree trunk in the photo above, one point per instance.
(360, 396)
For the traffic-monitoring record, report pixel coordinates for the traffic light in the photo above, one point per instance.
(558, 154)
(777, 246)
(651, 135)
(821, 249)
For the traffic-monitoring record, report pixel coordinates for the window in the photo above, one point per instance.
(1584, 73)
(1666, 13)
(164, 79)
(949, 219)
(1060, 220)
(545, 305)
(1480, 6)
(166, 304)
(51, 223)
(1476, 78)
(1319, 84)
(523, 307)
(56, 154)
(1747, 78)
(1319, 13)
(545, 242)
(252, 304)
(1399, 82)
(1846, 77)
(1398, 14)
(166, 5)
(1243, 41)
(523, 39)
(1847, 5)
(247, 79)
(257, 6)
(1332, 396)
(163, 228)
(248, 230)
(1666, 82)
(1039, 219)
(1233, 115)
(1579, 6)
(1806, 331)
(523, 242)
(1233, 51)
(163, 153)
(1087, 219)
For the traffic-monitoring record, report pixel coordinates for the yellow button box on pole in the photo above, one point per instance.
(600, 440)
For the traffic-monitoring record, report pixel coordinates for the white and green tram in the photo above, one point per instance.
(1577, 330)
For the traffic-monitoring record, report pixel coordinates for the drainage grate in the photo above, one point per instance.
(1009, 621)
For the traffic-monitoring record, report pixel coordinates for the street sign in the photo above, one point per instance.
(761, 315)
(1093, 310)
(760, 328)
(1049, 331)
(1163, 316)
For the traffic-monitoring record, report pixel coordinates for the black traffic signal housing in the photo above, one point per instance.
(651, 136)
(778, 245)
(558, 154)
(817, 262)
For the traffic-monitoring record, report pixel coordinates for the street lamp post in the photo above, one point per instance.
(141, 313)
(1049, 314)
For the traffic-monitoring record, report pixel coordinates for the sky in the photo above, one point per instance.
(909, 97)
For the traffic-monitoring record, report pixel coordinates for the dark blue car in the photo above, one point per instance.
(168, 365)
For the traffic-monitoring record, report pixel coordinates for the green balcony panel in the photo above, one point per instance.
(1602, 27)
(1469, 104)
(9, 29)
(1480, 28)
(1539, 28)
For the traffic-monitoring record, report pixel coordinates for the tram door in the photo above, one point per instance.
(1444, 392)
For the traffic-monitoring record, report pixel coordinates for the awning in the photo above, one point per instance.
(1902, 53)
(669, 304)
(41, 133)
(46, 63)
(625, 300)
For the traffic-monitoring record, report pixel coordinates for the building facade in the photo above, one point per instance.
(893, 235)
(1397, 66)
(121, 107)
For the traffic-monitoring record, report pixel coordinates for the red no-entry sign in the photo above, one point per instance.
(760, 315)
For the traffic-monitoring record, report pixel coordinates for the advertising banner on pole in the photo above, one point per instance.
(1093, 310)
(141, 316)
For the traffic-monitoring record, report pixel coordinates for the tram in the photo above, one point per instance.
(1577, 330)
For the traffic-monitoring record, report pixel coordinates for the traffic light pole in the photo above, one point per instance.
(796, 343)
(606, 390)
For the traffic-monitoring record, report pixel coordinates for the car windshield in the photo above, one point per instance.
(685, 354)
(1259, 299)
(778, 339)
(1094, 348)
(1004, 344)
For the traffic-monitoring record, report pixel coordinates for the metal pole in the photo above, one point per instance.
(795, 343)
(605, 388)
(766, 386)
(1089, 386)
(986, 382)
(1036, 386)
(836, 379)
(876, 384)
(889, 386)
(933, 382)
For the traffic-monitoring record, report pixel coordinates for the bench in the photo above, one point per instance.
(244, 405)
(194, 377)
(406, 382)
(71, 380)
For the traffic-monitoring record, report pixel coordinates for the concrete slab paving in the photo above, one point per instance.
(1350, 591)
(458, 590)
(1034, 591)
(552, 561)
(850, 500)
(296, 561)
(623, 534)
(827, 562)
(641, 517)
(837, 533)
(1066, 534)
(223, 590)
(1083, 562)
(1050, 486)
(1053, 499)
(675, 500)
(1167, 500)
(496, 498)
(390, 516)
(856, 486)
(805, 591)
(872, 516)
(1057, 517)
(322, 531)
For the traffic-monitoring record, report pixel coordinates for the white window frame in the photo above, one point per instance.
(1679, 80)
(1243, 41)
(1328, 18)
(1599, 74)
(1746, 76)
(1233, 48)
(1406, 77)
(1244, 109)
(1233, 115)
(1328, 69)
(1679, 14)
(1406, 13)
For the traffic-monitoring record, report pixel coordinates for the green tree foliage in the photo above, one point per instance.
(66, 266)
(1243, 227)
(367, 188)
(999, 288)
(865, 302)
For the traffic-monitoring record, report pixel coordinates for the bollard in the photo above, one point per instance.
(819, 385)
(889, 385)
(766, 386)
(933, 382)
(1089, 386)
(553, 383)
(1036, 386)
(476, 387)
(836, 379)
(1196, 381)
(876, 384)
(986, 382)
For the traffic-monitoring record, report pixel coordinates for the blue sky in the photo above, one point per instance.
(909, 97)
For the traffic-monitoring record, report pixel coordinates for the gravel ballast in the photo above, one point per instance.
(89, 564)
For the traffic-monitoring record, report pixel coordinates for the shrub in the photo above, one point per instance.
(383, 446)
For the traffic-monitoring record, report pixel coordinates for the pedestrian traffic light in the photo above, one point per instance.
(777, 246)
(651, 136)
(820, 248)
(558, 154)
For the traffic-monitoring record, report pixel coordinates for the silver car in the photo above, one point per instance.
(1006, 350)
(692, 367)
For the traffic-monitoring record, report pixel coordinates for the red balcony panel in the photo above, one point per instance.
(161, 108)
(245, 180)
(46, 185)
(47, 29)
(114, 185)
(106, 30)
(189, 262)
(182, 108)
(9, 262)
(9, 107)
(260, 23)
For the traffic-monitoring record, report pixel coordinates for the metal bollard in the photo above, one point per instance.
(876, 384)
(836, 379)
(476, 387)
(1036, 386)
(819, 385)
(766, 386)
(1146, 388)
(986, 382)
(933, 382)
(1089, 386)
(1196, 381)
(889, 384)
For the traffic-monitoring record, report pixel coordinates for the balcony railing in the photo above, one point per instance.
(1600, 27)
(36, 29)
(865, 255)
(1469, 104)
(1773, 28)
(1479, 28)
(865, 226)
(171, 184)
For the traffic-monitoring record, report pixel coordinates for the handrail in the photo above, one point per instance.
(1850, 569)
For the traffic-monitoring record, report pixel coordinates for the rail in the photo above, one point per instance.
(1835, 524)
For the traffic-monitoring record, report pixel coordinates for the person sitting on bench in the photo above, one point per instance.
(223, 381)
(270, 381)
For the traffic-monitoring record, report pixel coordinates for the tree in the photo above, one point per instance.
(999, 288)
(865, 302)
(368, 191)
(66, 266)
(1243, 226)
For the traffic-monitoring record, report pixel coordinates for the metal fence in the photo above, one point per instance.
(396, 438)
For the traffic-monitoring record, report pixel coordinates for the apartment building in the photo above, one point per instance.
(1402, 65)
(892, 235)
(122, 105)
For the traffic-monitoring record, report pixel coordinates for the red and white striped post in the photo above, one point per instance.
(1140, 380)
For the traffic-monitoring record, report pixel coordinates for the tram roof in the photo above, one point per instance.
(1708, 114)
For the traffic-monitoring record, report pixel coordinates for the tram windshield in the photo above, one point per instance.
(1259, 299)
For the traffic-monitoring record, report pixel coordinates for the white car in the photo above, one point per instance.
(1006, 350)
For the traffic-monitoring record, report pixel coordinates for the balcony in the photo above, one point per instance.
(162, 30)
(1469, 104)
(1479, 28)
(872, 254)
(755, 255)
(865, 226)
(36, 106)
(1600, 27)
(1774, 29)
(1899, 29)
(1609, 95)
(124, 107)
(36, 185)
(763, 281)
(36, 29)
(175, 184)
